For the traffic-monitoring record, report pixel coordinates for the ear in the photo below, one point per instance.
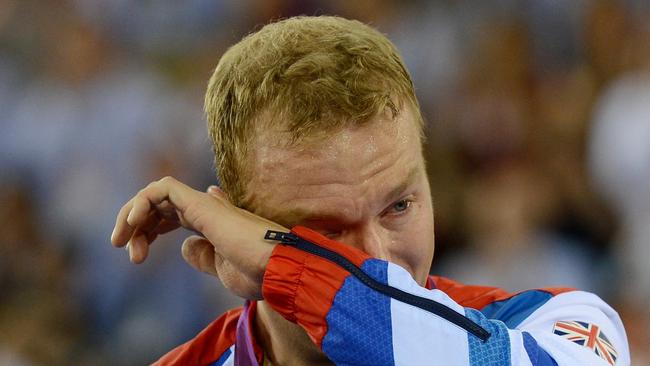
(216, 191)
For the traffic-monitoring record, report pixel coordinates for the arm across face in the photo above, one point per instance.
(231, 245)
(340, 310)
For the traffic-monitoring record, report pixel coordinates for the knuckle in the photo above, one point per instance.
(140, 199)
(167, 179)
(145, 190)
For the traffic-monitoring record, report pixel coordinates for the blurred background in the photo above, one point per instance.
(538, 117)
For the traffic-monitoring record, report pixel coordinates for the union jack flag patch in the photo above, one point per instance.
(587, 335)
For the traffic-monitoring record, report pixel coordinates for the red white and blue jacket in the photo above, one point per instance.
(364, 311)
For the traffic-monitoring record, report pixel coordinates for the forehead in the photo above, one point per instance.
(338, 174)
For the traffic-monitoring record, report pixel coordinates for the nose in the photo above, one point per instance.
(371, 239)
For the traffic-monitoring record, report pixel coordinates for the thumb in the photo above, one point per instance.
(200, 254)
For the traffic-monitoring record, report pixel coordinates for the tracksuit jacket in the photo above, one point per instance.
(361, 310)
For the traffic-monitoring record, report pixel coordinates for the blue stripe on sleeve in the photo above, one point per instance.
(224, 357)
(517, 308)
(359, 322)
(493, 352)
(537, 356)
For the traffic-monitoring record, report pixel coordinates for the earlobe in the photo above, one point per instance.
(216, 191)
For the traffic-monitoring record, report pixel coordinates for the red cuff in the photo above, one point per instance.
(302, 286)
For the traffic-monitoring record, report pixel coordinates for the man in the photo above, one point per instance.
(316, 127)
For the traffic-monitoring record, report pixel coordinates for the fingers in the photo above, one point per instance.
(165, 226)
(149, 213)
(138, 247)
(122, 232)
(164, 195)
(139, 210)
(166, 204)
(133, 213)
(200, 254)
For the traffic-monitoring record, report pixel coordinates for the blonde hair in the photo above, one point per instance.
(312, 75)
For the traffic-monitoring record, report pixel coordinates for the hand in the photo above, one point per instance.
(232, 245)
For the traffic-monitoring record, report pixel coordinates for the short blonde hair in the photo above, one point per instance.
(312, 74)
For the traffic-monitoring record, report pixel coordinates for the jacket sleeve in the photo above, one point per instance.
(365, 311)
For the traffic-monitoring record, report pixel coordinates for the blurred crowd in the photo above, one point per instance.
(538, 123)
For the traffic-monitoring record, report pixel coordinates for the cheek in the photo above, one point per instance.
(413, 244)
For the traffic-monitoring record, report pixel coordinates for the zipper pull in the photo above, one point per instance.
(287, 238)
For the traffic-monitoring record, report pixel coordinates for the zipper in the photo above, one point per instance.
(421, 302)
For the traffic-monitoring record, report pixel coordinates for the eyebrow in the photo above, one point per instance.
(300, 215)
(410, 178)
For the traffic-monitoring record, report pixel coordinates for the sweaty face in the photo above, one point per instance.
(363, 186)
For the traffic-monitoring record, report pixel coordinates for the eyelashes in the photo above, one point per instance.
(400, 207)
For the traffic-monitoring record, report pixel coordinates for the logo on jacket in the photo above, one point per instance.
(587, 335)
